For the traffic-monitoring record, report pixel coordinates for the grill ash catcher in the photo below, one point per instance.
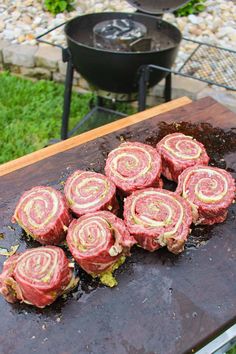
(121, 54)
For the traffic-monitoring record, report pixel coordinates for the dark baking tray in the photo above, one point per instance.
(163, 303)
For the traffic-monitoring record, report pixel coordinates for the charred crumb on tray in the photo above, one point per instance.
(121, 138)
(11, 228)
(177, 125)
(105, 153)
(5, 252)
(77, 295)
(87, 282)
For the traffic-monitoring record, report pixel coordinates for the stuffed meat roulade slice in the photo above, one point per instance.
(88, 192)
(209, 190)
(179, 151)
(133, 166)
(37, 276)
(44, 214)
(98, 240)
(158, 218)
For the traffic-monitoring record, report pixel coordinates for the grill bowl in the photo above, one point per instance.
(118, 71)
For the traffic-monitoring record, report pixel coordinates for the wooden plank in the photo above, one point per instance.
(90, 135)
(163, 303)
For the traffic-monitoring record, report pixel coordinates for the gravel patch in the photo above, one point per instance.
(216, 25)
(21, 21)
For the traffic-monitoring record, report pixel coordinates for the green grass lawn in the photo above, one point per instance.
(30, 114)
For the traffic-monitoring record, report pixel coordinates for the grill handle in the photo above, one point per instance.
(66, 56)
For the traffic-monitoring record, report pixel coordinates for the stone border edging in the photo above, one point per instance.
(37, 62)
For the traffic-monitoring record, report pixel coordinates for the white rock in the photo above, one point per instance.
(10, 26)
(224, 6)
(98, 8)
(37, 20)
(16, 15)
(39, 30)
(56, 22)
(2, 25)
(60, 16)
(196, 20)
(202, 26)
(32, 10)
(26, 28)
(8, 34)
(17, 31)
(79, 11)
(170, 17)
(232, 36)
(224, 31)
(32, 42)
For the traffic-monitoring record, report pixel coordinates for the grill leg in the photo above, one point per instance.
(142, 92)
(167, 90)
(100, 101)
(67, 100)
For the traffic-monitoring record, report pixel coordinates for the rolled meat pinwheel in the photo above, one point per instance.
(37, 276)
(98, 240)
(209, 190)
(44, 214)
(88, 192)
(179, 151)
(158, 218)
(134, 166)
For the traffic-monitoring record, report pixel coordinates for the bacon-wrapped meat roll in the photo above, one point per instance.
(44, 214)
(179, 151)
(158, 218)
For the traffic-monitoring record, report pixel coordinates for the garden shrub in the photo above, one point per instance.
(192, 7)
(57, 6)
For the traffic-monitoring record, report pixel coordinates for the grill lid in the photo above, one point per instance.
(157, 6)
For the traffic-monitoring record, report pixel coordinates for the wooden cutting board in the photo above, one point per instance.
(163, 303)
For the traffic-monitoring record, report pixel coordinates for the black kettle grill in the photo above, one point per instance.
(108, 49)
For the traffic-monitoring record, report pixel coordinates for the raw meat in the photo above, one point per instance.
(179, 151)
(44, 214)
(209, 190)
(133, 166)
(98, 240)
(37, 276)
(88, 192)
(158, 218)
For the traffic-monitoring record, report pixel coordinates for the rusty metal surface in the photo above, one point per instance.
(163, 304)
